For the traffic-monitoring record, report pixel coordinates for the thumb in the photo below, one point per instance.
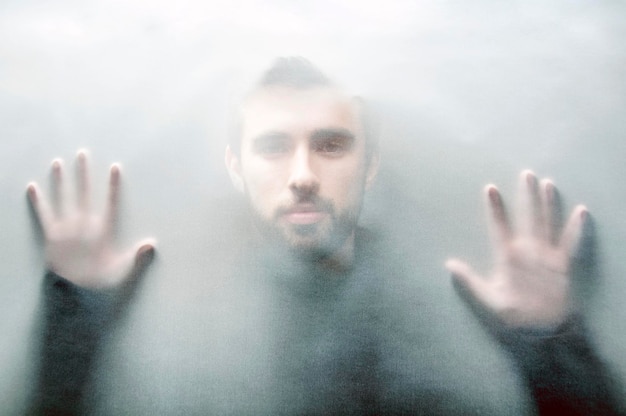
(144, 255)
(470, 285)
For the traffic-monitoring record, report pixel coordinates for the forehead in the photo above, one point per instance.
(298, 110)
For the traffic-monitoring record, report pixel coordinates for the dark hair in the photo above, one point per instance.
(298, 72)
(294, 72)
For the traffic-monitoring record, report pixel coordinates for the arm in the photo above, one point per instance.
(87, 281)
(527, 301)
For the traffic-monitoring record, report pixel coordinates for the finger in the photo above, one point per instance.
(470, 282)
(530, 215)
(144, 254)
(570, 240)
(112, 208)
(82, 181)
(57, 187)
(552, 210)
(499, 224)
(40, 207)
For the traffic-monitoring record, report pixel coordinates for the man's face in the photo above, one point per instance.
(303, 165)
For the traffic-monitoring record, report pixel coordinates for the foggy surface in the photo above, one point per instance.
(467, 93)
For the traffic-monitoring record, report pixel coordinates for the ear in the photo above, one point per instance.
(233, 165)
(372, 169)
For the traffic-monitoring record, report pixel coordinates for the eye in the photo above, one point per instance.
(332, 142)
(272, 148)
(332, 146)
(271, 145)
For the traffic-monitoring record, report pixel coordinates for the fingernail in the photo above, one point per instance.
(583, 215)
(493, 194)
(115, 171)
(147, 249)
(147, 255)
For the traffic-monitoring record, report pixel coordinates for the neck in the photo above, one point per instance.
(341, 259)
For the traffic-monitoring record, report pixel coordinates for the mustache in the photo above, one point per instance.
(314, 203)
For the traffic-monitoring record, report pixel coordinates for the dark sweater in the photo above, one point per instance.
(330, 346)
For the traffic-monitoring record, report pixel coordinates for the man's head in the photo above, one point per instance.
(304, 158)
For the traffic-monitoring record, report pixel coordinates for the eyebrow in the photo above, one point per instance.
(332, 133)
(269, 136)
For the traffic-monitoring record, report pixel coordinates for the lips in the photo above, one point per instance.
(303, 214)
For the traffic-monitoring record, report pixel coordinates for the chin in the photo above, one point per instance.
(314, 246)
(312, 241)
(307, 245)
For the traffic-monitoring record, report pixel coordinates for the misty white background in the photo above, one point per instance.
(467, 93)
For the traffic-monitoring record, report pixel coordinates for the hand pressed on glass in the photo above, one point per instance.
(79, 243)
(530, 285)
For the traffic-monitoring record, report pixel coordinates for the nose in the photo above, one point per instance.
(303, 180)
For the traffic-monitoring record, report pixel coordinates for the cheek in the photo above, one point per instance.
(345, 184)
(263, 184)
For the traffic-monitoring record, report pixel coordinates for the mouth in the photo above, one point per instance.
(304, 214)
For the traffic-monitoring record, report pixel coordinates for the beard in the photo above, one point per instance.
(310, 241)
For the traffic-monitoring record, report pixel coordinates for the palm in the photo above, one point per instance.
(79, 244)
(530, 285)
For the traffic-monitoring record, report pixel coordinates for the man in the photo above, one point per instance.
(304, 156)
(304, 159)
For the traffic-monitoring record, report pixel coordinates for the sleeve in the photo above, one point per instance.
(74, 322)
(562, 371)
